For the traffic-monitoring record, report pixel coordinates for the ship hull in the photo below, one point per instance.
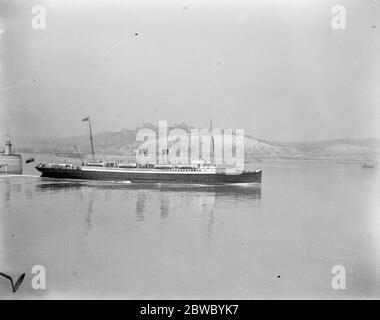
(150, 177)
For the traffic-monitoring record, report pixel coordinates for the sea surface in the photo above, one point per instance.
(136, 241)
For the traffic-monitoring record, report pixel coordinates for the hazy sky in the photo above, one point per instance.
(275, 68)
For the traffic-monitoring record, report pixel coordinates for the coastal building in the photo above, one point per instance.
(10, 162)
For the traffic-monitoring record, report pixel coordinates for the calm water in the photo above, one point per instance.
(113, 240)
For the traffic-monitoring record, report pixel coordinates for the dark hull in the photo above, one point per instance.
(245, 177)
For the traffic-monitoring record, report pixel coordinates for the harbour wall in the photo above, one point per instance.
(11, 164)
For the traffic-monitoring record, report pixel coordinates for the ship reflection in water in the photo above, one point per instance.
(200, 197)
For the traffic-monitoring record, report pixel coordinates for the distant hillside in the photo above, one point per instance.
(115, 143)
(124, 143)
(337, 149)
(322, 145)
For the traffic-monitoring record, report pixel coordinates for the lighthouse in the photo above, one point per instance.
(10, 162)
(8, 147)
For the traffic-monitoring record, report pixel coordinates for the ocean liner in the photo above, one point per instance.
(200, 172)
(114, 171)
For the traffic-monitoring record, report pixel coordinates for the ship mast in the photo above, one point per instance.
(212, 160)
(91, 140)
